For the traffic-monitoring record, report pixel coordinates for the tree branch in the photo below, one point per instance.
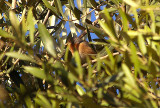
(95, 60)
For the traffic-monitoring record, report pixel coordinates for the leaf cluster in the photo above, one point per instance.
(36, 67)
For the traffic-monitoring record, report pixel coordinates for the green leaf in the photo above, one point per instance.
(47, 40)
(98, 63)
(128, 75)
(80, 90)
(109, 19)
(78, 61)
(90, 71)
(133, 34)
(107, 25)
(153, 53)
(15, 23)
(134, 58)
(110, 55)
(24, 26)
(134, 10)
(131, 3)
(60, 8)
(14, 20)
(85, 4)
(28, 101)
(66, 54)
(153, 24)
(6, 34)
(39, 73)
(99, 32)
(20, 56)
(42, 101)
(100, 93)
(142, 44)
(30, 20)
(22, 88)
(107, 30)
(1, 56)
(112, 9)
(50, 7)
(71, 3)
(124, 20)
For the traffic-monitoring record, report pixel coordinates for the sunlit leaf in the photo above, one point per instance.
(131, 3)
(14, 20)
(110, 55)
(78, 61)
(60, 8)
(42, 100)
(80, 90)
(6, 34)
(129, 76)
(31, 26)
(71, 3)
(124, 20)
(107, 30)
(50, 7)
(37, 72)
(134, 57)
(20, 56)
(99, 32)
(15, 23)
(142, 44)
(47, 40)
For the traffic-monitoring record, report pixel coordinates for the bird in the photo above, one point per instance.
(83, 47)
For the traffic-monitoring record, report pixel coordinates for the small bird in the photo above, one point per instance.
(83, 47)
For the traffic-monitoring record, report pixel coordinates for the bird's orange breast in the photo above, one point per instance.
(83, 48)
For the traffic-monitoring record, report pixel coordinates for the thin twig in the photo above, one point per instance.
(149, 90)
(104, 57)
(86, 13)
(85, 32)
(45, 19)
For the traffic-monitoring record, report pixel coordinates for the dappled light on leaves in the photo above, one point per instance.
(79, 54)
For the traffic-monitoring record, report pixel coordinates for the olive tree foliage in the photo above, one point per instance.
(37, 70)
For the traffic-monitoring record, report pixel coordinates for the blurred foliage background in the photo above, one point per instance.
(37, 70)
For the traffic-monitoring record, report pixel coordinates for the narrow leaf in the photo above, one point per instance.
(20, 56)
(14, 20)
(142, 44)
(80, 90)
(128, 74)
(30, 20)
(50, 7)
(39, 73)
(107, 30)
(60, 8)
(78, 61)
(6, 34)
(131, 3)
(47, 40)
(15, 23)
(124, 20)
